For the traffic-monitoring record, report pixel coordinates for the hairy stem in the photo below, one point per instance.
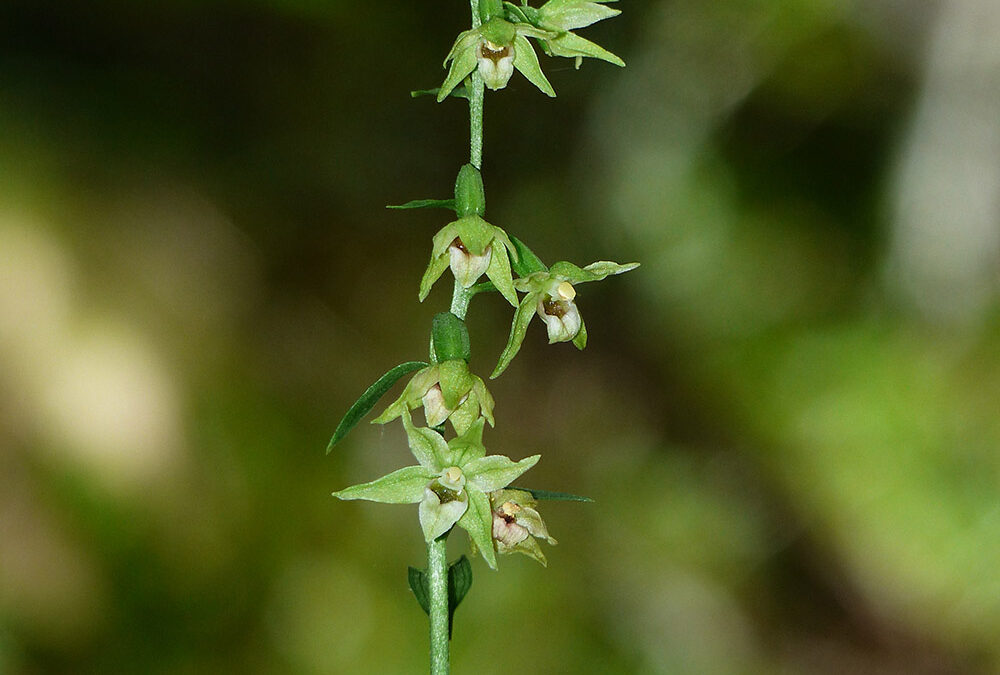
(460, 301)
(437, 580)
(437, 550)
(476, 95)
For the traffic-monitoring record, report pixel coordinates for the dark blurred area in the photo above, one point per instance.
(788, 416)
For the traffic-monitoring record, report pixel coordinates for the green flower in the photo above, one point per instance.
(496, 49)
(471, 247)
(451, 483)
(516, 524)
(551, 294)
(448, 391)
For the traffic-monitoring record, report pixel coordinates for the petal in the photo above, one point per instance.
(426, 445)
(499, 273)
(478, 522)
(496, 471)
(434, 270)
(469, 445)
(405, 486)
(518, 328)
(573, 14)
(437, 518)
(526, 61)
(463, 64)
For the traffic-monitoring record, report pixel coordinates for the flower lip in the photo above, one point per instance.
(494, 52)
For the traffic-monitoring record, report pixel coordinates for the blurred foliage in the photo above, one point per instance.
(795, 466)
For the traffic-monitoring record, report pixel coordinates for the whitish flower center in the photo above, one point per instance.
(566, 291)
(453, 478)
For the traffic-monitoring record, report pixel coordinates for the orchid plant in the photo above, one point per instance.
(456, 481)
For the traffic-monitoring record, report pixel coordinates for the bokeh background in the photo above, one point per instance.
(788, 416)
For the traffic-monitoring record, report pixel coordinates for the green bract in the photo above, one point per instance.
(472, 247)
(551, 295)
(451, 483)
(496, 48)
(448, 392)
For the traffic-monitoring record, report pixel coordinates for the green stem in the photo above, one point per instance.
(437, 580)
(460, 300)
(437, 550)
(476, 96)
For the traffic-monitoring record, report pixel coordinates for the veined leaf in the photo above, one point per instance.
(364, 405)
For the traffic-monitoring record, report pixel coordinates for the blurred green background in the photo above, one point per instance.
(788, 416)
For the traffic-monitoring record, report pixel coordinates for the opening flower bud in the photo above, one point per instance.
(496, 63)
(466, 266)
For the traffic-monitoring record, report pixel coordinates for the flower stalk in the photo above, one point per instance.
(445, 407)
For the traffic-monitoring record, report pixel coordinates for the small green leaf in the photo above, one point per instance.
(546, 495)
(526, 61)
(418, 584)
(459, 583)
(451, 337)
(368, 400)
(527, 262)
(403, 486)
(496, 471)
(457, 92)
(478, 522)
(518, 328)
(425, 204)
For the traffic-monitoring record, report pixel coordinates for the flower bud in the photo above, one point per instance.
(496, 63)
(466, 266)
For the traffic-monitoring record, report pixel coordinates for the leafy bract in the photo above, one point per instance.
(368, 400)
